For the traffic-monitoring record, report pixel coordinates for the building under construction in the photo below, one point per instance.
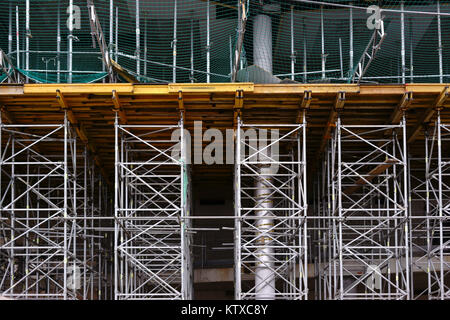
(328, 123)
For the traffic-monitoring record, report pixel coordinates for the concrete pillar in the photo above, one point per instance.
(262, 42)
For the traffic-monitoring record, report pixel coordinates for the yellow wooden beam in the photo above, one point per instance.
(210, 87)
(338, 106)
(91, 88)
(118, 107)
(238, 106)
(63, 103)
(428, 114)
(81, 131)
(403, 105)
(6, 115)
(304, 105)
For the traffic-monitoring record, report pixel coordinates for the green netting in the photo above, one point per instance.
(150, 51)
(43, 77)
(3, 76)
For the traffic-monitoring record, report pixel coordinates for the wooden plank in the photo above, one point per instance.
(369, 177)
(428, 114)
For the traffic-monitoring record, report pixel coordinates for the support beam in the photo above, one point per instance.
(404, 104)
(428, 114)
(81, 132)
(238, 106)
(370, 176)
(304, 105)
(118, 107)
(338, 106)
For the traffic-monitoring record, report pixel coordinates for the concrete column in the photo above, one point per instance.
(264, 276)
(262, 42)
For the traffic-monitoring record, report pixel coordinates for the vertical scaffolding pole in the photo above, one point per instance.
(17, 38)
(117, 34)
(402, 34)
(351, 38)
(70, 46)
(191, 76)
(27, 35)
(10, 37)
(138, 39)
(111, 24)
(292, 45)
(441, 70)
(174, 42)
(322, 34)
(305, 55)
(411, 54)
(208, 44)
(58, 45)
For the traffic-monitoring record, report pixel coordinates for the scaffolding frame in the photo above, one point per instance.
(367, 213)
(273, 237)
(438, 211)
(44, 216)
(152, 243)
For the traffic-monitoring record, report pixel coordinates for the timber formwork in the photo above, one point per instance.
(376, 154)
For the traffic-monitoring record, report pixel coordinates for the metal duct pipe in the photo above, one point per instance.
(264, 275)
(262, 42)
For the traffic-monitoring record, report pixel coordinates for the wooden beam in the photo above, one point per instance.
(64, 106)
(403, 105)
(81, 132)
(304, 105)
(6, 115)
(118, 107)
(372, 174)
(238, 106)
(181, 102)
(338, 106)
(428, 114)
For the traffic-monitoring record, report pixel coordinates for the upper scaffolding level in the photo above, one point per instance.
(261, 41)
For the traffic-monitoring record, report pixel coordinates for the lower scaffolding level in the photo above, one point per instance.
(111, 204)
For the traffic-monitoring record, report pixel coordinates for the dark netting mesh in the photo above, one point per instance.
(173, 35)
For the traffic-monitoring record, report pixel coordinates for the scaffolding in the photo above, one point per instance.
(271, 205)
(204, 41)
(367, 213)
(48, 241)
(438, 211)
(152, 239)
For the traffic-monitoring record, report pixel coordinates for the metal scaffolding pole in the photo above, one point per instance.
(293, 55)
(208, 44)
(402, 35)
(70, 44)
(367, 213)
(441, 71)
(151, 192)
(270, 219)
(174, 42)
(438, 211)
(138, 40)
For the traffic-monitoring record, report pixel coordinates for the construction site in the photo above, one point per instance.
(227, 149)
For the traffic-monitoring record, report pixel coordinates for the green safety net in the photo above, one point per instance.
(3, 76)
(156, 41)
(46, 77)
